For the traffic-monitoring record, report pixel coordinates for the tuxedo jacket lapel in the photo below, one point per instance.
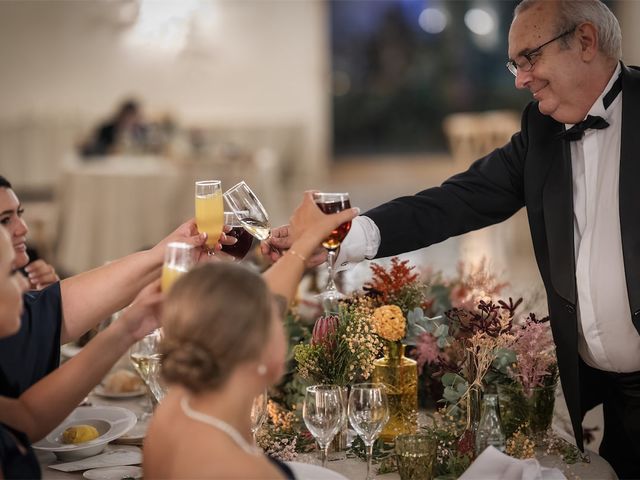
(629, 188)
(557, 197)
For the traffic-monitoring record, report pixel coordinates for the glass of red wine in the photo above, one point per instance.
(333, 203)
(239, 249)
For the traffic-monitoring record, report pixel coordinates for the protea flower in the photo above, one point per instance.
(324, 331)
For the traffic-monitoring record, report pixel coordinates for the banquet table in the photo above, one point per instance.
(351, 468)
(114, 206)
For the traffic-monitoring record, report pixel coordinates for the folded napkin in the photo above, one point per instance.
(115, 456)
(495, 465)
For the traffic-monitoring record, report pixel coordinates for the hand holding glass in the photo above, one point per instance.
(244, 239)
(333, 203)
(368, 413)
(249, 210)
(322, 413)
(209, 211)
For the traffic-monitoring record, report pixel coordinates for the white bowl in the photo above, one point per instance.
(111, 423)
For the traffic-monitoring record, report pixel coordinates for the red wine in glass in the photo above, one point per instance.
(239, 249)
(336, 237)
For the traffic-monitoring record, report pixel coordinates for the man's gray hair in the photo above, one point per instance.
(571, 13)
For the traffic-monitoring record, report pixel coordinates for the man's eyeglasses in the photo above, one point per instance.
(530, 58)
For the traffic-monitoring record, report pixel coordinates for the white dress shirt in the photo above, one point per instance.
(608, 339)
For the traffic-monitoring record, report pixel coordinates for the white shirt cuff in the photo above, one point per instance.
(362, 242)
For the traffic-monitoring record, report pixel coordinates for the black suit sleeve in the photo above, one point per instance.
(490, 191)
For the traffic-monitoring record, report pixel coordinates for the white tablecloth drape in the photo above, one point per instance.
(115, 206)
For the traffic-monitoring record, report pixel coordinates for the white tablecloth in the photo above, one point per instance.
(351, 468)
(112, 207)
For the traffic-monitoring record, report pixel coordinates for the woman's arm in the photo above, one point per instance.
(90, 297)
(49, 401)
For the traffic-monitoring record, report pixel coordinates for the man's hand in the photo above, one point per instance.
(41, 274)
(280, 241)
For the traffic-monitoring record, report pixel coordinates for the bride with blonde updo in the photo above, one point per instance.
(223, 344)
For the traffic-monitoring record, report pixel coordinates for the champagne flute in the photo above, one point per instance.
(142, 355)
(249, 210)
(156, 385)
(322, 413)
(368, 413)
(258, 413)
(209, 211)
(178, 259)
(333, 203)
(244, 238)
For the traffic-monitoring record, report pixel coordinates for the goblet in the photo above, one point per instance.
(333, 203)
(322, 413)
(368, 413)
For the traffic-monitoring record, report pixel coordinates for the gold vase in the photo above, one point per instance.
(399, 375)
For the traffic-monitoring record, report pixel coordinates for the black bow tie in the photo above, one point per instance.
(577, 131)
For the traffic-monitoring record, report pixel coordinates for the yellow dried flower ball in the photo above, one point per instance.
(389, 322)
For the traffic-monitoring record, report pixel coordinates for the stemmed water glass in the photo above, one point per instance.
(322, 412)
(179, 258)
(333, 203)
(209, 211)
(258, 413)
(250, 212)
(368, 414)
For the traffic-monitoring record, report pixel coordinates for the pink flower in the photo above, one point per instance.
(324, 331)
(427, 351)
(535, 352)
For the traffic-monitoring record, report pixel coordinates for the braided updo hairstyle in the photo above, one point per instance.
(215, 317)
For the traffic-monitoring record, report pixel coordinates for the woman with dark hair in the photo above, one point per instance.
(39, 273)
(45, 404)
(64, 310)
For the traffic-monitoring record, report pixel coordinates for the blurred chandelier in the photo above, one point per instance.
(159, 24)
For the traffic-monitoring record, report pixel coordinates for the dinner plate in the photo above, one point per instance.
(111, 423)
(113, 473)
(101, 391)
(307, 471)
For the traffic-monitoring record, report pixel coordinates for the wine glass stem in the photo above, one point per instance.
(325, 454)
(331, 262)
(369, 455)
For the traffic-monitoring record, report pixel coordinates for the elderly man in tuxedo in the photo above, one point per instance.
(575, 166)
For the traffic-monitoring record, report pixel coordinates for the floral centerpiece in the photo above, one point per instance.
(527, 388)
(396, 292)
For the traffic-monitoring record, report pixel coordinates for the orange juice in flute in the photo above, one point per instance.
(209, 211)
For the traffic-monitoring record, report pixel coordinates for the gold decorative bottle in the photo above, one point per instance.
(399, 374)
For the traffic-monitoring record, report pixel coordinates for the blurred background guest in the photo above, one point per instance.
(122, 133)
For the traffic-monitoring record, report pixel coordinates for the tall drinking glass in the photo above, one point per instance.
(209, 211)
(258, 413)
(333, 203)
(143, 354)
(156, 385)
(368, 414)
(322, 412)
(238, 250)
(179, 258)
(249, 210)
